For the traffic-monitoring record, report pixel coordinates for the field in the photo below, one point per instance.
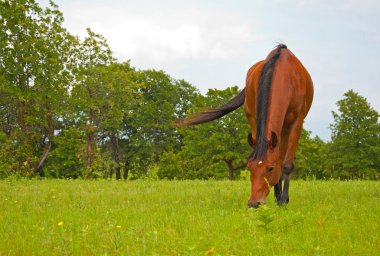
(76, 217)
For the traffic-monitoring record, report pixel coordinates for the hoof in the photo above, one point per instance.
(282, 201)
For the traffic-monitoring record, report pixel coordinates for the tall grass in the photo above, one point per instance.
(79, 217)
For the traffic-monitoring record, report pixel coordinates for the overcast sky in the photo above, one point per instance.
(212, 44)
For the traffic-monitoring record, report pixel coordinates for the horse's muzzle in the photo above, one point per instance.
(253, 205)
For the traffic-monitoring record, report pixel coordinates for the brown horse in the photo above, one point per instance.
(277, 96)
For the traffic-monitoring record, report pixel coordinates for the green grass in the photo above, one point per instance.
(186, 218)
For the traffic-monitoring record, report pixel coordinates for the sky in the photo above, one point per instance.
(212, 44)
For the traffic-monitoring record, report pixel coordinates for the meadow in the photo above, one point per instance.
(103, 217)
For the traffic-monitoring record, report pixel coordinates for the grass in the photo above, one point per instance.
(77, 217)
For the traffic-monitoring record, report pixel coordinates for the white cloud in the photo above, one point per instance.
(166, 36)
(144, 39)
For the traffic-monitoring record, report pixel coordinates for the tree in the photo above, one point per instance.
(355, 146)
(112, 100)
(121, 96)
(148, 128)
(212, 148)
(35, 65)
(88, 93)
(310, 157)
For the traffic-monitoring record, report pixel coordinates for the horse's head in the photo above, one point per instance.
(265, 172)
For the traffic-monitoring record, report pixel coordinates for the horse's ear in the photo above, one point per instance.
(273, 140)
(250, 140)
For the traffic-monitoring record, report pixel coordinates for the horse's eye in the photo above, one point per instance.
(270, 169)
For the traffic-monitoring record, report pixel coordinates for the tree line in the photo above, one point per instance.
(69, 109)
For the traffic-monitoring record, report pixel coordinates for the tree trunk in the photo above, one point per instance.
(231, 170)
(126, 170)
(90, 139)
(7, 128)
(47, 147)
(23, 85)
(116, 154)
(20, 110)
(37, 168)
(118, 173)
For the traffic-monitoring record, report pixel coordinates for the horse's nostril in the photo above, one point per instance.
(256, 205)
(253, 205)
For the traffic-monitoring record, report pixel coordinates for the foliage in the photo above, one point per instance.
(265, 217)
(35, 70)
(147, 131)
(212, 149)
(69, 152)
(55, 89)
(355, 147)
(310, 157)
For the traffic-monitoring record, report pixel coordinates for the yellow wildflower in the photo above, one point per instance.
(60, 223)
(210, 251)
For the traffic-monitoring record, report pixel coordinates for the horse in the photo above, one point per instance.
(277, 97)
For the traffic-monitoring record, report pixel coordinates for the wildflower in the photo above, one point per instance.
(118, 226)
(60, 223)
(210, 251)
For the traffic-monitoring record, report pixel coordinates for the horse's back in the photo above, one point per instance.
(291, 79)
(291, 88)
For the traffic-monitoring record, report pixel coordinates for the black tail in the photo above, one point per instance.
(212, 114)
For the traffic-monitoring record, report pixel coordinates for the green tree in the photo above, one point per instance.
(113, 98)
(121, 96)
(66, 157)
(212, 149)
(88, 94)
(148, 128)
(310, 157)
(35, 66)
(354, 151)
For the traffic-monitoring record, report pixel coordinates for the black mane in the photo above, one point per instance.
(263, 94)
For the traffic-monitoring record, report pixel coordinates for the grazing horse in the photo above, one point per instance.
(277, 97)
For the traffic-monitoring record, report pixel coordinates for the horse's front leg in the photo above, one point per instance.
(287, 170)
(278, 190)
(288, 164)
